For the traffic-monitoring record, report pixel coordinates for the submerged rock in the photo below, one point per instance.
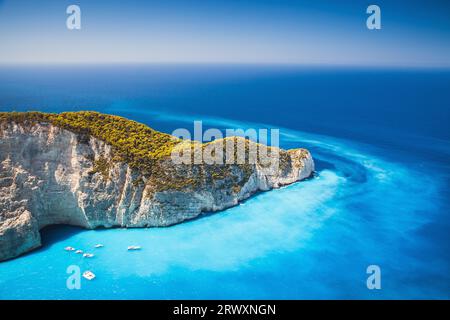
(57, 174)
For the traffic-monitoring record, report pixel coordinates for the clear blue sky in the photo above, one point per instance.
(414, 33)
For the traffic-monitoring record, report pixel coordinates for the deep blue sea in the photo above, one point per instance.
(381, 141)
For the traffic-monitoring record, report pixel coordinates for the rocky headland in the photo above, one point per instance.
(94, 170)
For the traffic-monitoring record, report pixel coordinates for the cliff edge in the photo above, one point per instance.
(93, 170)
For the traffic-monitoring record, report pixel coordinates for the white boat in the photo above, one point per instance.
(99, 245)
(134, 248)
(89, 275)
(69, 248)
(88, 255)
(79, 251)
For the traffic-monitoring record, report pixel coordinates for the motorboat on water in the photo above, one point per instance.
(88, 255)
(131, 248)
(99, 245)
(69, 248)
(89, 275)
(79, 251)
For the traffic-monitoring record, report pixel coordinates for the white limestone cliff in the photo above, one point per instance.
(46, 178)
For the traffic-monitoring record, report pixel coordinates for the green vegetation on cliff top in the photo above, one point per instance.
(141, 148)
(132, 142)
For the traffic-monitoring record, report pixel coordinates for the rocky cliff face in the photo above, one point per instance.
(50, 175)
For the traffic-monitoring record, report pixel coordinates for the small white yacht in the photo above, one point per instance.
(88, 255)
(99, 245)
(130, 248)
(79, 251)
(69, 248)
(88, 275)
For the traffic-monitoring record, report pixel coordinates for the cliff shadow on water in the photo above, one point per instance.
(54, 234)
(58, 233)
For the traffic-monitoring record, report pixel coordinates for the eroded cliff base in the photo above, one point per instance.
(52, 173)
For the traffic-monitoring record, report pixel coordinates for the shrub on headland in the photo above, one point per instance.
(149, 151)
(134, 143)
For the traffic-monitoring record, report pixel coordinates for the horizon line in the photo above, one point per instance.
(225, 63)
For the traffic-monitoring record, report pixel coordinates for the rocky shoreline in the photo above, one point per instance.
(52, 175)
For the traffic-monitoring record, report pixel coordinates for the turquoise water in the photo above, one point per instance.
(378, 198)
